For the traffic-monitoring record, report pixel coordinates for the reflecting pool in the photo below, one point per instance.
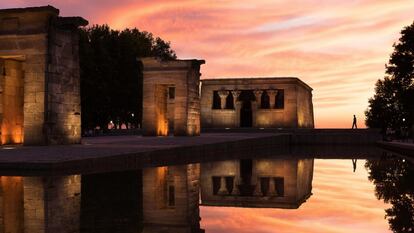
(294, 193)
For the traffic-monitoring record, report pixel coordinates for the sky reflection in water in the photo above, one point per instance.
(342, 201)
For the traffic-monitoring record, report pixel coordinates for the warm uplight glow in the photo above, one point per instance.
(11, 136)
(338, 47)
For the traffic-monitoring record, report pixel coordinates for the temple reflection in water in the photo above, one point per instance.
(269, 183)
(171, 194)
(157, 199)
(171, 199)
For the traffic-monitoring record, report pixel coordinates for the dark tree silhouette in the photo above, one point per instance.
(393, 178)
(393, 99)
(111, 76)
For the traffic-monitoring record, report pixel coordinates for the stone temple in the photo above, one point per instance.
(256, 102)
(174, 101)
(39, 77)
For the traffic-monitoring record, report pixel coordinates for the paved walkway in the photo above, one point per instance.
(403, 148)
(117, 152)
(94, 147)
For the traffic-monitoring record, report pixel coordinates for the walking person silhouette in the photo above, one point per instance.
(354, 123)
(354, 164)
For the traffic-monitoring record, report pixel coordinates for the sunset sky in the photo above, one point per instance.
(338, 47)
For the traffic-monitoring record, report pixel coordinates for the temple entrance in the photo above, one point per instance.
(246, 112)
(246, 187)
(11, 101)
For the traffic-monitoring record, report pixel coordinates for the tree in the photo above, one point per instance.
(392, 105)
(111, 76)
(393, 179)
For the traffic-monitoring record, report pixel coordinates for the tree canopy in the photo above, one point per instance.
(392, 105)
(393, 179)
(111, 76)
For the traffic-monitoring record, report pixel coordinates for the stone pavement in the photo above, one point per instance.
(112, 153)
(119, 153)
(403, 148)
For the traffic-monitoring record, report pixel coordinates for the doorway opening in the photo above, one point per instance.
(11, 101)
(246, 111)
(246, 171)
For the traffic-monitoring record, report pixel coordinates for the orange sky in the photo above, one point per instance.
(338, 47)
(342, 202)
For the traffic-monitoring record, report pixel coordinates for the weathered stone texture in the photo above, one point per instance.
(184, 76)
(52, 204)
(297, 111)
(46, 46)
(11, 204)
(161, 214)
(40, 204)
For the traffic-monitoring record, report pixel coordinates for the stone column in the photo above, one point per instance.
(223, 96)
(236, 191)
(272, 97)
(223, 189)
(52, 204)
(236, 95)
(258, 95)
(237, 107)
(272, 187)
(258, 189)
(255, 108)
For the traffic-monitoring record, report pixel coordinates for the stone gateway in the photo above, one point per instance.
(39, 77)
(171, 98)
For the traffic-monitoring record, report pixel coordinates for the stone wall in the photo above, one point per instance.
(161, 214)
(304, 185)
(305, 108)
(47, 47)
(11, 205)
(297, 110)
(52, 204)
(63, 88)
(184, 76)
(223, 118)
(40, 204)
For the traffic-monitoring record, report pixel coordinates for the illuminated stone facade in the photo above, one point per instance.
(39, 77)
(265, 183)
(40, 204)
(171, 97)
(256, 102)
(171, 199)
